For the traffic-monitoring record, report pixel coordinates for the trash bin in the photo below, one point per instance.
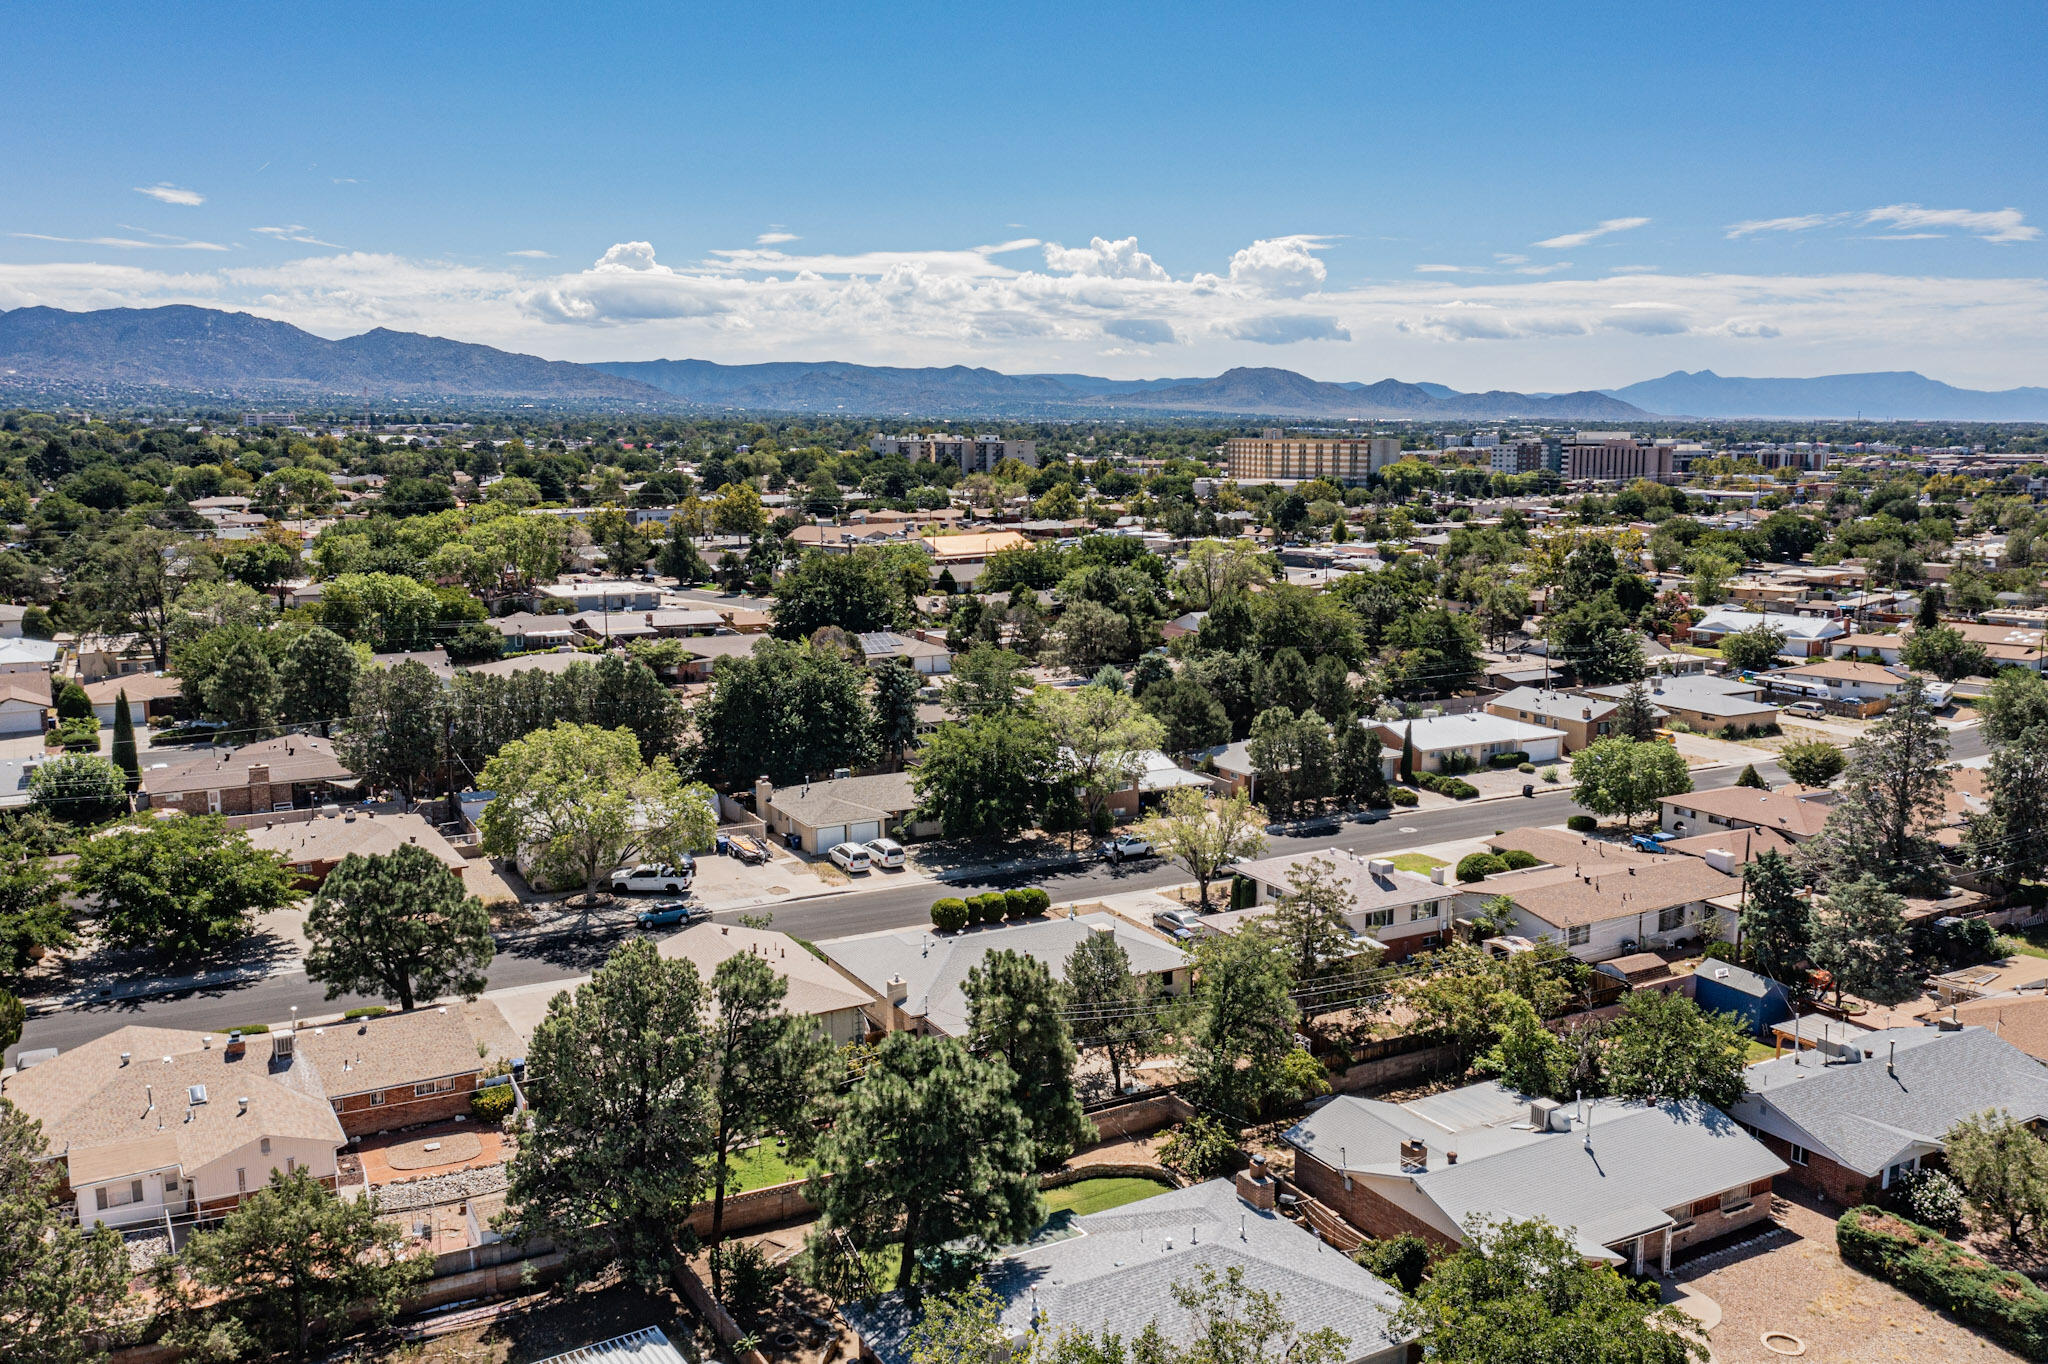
(1528, 790)
(793, 839)
(724, 845)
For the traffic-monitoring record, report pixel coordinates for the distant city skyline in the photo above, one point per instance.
(1516, 199)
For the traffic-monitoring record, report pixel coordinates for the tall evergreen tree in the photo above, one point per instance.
(60, 1285)
(1776, 923)
(2007, 843)
(1891, 801)
(318, 678)
(1015, 1014)
(896, 688)
(397, 925)
(1242, 1024)
(125, 754)
(1859, 939)
(1108, 1004)
(1634, 716)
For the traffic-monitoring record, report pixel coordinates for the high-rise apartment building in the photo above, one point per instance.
(1615, 457)
(974, 454)
(1273, 454)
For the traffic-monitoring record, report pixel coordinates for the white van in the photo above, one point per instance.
(851, 857)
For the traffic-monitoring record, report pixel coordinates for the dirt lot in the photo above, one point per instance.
(550, 1324)
(1795, 1281)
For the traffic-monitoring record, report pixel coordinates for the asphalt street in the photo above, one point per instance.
(904, 904)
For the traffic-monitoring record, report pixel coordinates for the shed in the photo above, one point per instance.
(1724, 987)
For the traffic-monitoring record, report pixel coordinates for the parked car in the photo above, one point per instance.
(1807, 710)
(657, 877)
(885, 852)
(850, 857)
(1177, 924)
(673, 914)
(748, 848)
(1121, 846)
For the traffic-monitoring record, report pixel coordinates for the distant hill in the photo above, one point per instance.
(792, 386)
(1886, 395)
(186, 353)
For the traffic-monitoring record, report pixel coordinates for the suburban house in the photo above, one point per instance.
(153, 698)
(601, 594)
(2019, 1019)
(1703, 702)
(838, 1006)
(706, 650)
(2008, 645)
(843, 810)
(919, 977)
(1870, 648)
(883, 646)
(1402, 912)
(1562, 848)
(293, 771)
(1805, 636)
(1837, 679)
(1631, 1183)
(1472, 740)
(965, 555)
(524, 631)
(1110, 1272)
(1798, 812)
(1180, 627)
(313, 842)
(151, 1122)
(1853, 1115)
(1597, 914)
(1156, 774)
(1731, 850)
(24, 702)
(403, 1069)
(1580, 719)
(667, 622)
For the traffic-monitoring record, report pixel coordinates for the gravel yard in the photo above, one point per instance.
(448, 1188)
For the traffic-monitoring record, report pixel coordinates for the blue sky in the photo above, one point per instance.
(1540, 197)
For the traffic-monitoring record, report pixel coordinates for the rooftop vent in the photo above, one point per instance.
(195, 1094)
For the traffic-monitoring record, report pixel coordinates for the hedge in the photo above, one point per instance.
(1019, 904)
(491, 1103)
(989, 908)
(367, 1011)
(1582, 824)
(1401, 795)
(2003, 1305)
(1478, 866)
(1516, 859)
(949, 915)
(1508, 759)
(1454, 787)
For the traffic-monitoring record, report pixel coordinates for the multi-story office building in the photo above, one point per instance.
(1615, 457)
(1524, 456)
(1273, 454)
(974, 454)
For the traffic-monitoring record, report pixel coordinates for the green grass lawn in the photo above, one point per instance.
(1759, 1051)
(758, 1167)
(1096, 1195)
(2027, 942)
(1422, 864)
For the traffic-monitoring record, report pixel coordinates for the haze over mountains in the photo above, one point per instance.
(187, 356)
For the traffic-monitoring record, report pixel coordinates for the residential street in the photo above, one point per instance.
(863, 910)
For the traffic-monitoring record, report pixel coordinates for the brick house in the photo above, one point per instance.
(404, 1069)
(293, 771)
(1856, 1113)
(314, 842)
(1631, 1183)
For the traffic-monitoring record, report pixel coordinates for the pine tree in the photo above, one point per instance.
(1891, 801)
(1751, 779)
(1015, 1015)
(397, 925)
(125, 755)
(1859, 938)
(1776, 922)
(1406, 772)
(1634, 716)
(60, 1286)
(1110, 1007)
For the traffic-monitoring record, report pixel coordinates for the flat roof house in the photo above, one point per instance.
(1475, 738)
(1112, 1271)
(1704, 702)
(1630, 1183)
(1851, 1116)
(1402, 912)
(602, 594)
(881, 646)
(1601, 913)
(1805, 636)
(1837, 679)
(920, 977)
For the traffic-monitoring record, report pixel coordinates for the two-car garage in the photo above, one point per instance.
(824, 814)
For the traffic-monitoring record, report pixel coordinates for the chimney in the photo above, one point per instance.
(259, 774)
(1256, 1189)
(764, 795)
(1414, 1157)
(236, 1046)
(898, 989)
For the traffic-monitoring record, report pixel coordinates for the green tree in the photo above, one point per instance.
(397, 925)
(786, 711)
(1014, 1015)
(1891, 801)
(1523, 1293)
(1205, 836)
(2007, 842)
(1627, 778)
(929, 1149)
(577, 801)
(1526, 1056)
(1634, 715)
(1102, 736)
(1190, 715)
(1242, 1023)
(767, 1066)
(1599, 641)
(2014, 703)
(1859, 939)
(1431, 653)
(1947, 653)
(961, 1327)
(2003, 1168)
(1308, 929)
(394, 735)
(125, 754)
(984, 679)
(1751, 779)
(183, 886)
(1664, 1047)
(613, 1150)
(896, 687)
(291, 1264)
(857, 592)
(1776, 922)
(129, 580)
(1361, 776)
(61, 1288)
(1090, 636)
(243, 692)
(32, 909)
(1815, 762)
(1293, 759)
(79, 789)
(389, 612)
(988, 776)
(1752, 650)
(1109, 1007)
(318, 678)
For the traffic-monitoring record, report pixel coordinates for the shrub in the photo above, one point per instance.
(1457, 789)
(1401, 1261)
(749, 1279)
(1036, 901)
(248, 1029)
(989, 908)
(1401, 795)
(491, 1103)
(1452, 764)
(1508, 759)
(949, 915)
(1924, 1263)
(1479, 866)
(1550, 774)
(1516, 859)
(1527, 768)
(1582, 824)
(1016, 903)
(1930, 1197)
(1200, 1148)
(367, 1011)
(1722, 951)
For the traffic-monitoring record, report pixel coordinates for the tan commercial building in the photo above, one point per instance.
(1615, 457)
(973, 454)
(1274, 455)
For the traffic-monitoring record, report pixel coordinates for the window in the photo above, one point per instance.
(1425, 910)
(1795, 1153)
(264, 1146)
(241, 1181)
(376, 1097)
(1735, 1201)
(1578, 935)
(440, 1086)
(290, 1164)
(1378, 918)
(170, 1183)
(1670, 918)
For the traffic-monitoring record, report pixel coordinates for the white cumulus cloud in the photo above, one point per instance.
(1286, 266)
(1119, 259)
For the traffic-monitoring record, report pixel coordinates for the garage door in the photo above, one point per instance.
(21, 718)
(864, 833)
(830, 836)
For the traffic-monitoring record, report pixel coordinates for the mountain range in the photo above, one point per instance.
(182, 356)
